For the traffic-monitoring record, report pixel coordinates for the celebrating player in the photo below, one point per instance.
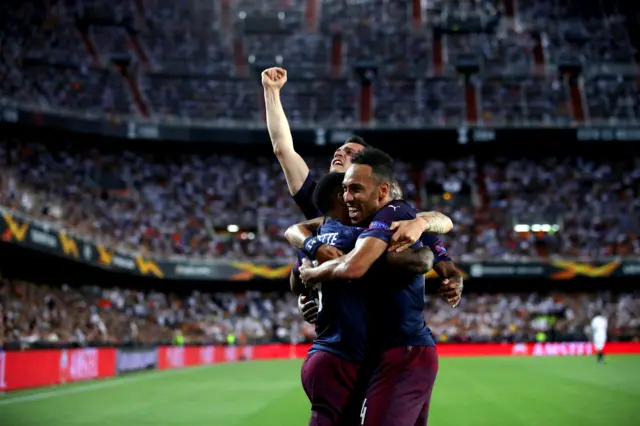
(296, 171)
(400, 347)
(330, 371)
(301, 183)
(599, 325)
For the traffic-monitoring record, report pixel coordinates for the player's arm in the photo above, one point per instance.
(435, 222)
(294, 167)
(407, 232)
(348, 267)
(298, 233)
(302, 237)
(416, 261)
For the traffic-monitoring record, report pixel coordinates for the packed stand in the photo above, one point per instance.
(183, 205)
(199, 71)
(37, 315)
(521, 100)
(500, 53)
(158, 205)
(579, 29)
(592, 208)
(595, 204)
(416, 103)
(612, 98)
(178, 49)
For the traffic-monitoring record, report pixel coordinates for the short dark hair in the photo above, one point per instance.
(358, 140)
(380, 162)
(324, 195)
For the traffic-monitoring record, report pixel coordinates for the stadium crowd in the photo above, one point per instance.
(184, 205)
(62, 56)
(37, 314)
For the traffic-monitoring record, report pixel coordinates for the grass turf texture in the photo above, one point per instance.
(562, 391)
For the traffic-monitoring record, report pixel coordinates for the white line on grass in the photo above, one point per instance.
(90, 386)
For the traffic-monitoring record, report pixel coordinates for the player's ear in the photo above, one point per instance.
(383, 191)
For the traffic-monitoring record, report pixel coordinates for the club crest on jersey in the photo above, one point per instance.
(379, 225)
(441, 249)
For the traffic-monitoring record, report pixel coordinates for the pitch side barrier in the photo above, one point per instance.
(45, 367)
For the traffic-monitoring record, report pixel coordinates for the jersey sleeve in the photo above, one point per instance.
(440, 253)
(380, 224)
(304, 198)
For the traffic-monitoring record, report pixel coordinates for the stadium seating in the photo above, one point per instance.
(139, 58)
(167, 206)
(36, 314)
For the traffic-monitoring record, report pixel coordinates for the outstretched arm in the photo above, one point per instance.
(294, 167)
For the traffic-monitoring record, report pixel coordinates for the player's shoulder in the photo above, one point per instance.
(332, 225)
(395, 210)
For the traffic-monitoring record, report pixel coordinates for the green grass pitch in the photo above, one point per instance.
(469, 391)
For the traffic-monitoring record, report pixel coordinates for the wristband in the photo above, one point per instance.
(311, 245)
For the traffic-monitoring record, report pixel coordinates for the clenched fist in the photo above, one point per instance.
(274, 78)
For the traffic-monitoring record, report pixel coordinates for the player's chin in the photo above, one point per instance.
(337, 168)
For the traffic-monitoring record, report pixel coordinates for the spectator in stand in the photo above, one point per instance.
(198, 72)
(164, 207)
(36, 314)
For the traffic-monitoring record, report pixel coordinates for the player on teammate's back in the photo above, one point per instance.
(299, 179)
(400, 347)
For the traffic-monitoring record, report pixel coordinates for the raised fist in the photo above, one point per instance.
(274, 78)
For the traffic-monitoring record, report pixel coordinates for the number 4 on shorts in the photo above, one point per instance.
(363, 411)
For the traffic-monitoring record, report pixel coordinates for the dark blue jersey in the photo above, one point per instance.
(304, 198)
(341, 324)
(395, 300)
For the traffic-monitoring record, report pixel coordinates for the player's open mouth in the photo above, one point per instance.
(353, 212)
(337, 162)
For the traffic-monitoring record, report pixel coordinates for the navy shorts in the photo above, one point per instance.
(399, 390)
(330, 383)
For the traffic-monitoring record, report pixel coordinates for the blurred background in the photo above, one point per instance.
(143, 210)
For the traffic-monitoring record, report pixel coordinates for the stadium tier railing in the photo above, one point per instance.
(311, 134)
(50, 238)
(47, 367)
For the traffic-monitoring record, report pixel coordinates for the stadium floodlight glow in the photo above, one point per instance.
(536, 227)
(233, 228)
(242, 15)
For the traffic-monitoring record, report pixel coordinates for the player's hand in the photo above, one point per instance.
(274, 78)
(451, 290)
(406, 233)
(308, 307)
(307, 275)
(326, 252)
